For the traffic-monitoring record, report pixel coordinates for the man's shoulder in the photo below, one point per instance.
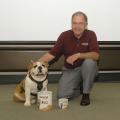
(70, 32)
(89, 32)
(67, 33)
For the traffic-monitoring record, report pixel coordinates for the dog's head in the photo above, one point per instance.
(38, 68)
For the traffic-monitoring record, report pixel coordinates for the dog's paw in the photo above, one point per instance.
(44, 89)
(27, 104)
(33, 101)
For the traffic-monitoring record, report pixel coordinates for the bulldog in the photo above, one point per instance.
(35, 81)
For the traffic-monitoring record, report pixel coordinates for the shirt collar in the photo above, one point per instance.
(81, 36)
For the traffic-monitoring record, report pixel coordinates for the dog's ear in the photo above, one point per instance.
(30, 66)
(46, 64)
(31, 61)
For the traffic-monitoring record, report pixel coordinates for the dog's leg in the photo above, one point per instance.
(45, 85)
(44, 89)
(27, 96)
(33, 99)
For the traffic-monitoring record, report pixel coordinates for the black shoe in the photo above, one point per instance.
(85, 100)
(81, 89)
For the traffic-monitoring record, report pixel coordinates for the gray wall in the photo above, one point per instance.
(15, 56)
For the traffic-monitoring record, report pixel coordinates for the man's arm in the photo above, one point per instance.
(55, 51)
(91, 55)
(88, 55)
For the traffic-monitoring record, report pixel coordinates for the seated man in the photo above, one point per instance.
(81, 51)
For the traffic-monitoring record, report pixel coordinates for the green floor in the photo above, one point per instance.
(105, 105)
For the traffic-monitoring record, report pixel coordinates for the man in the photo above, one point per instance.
(80, 49)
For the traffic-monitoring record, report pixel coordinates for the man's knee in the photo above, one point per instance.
(89, 63)
(65, 94)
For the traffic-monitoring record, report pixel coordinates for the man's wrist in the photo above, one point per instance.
(79, 54)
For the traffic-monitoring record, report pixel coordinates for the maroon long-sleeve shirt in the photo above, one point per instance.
(67, 44)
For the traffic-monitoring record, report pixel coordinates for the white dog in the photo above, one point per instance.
(35, 81)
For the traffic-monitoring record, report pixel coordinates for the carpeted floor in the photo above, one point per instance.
(105, 105)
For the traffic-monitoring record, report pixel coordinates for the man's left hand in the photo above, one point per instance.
(71, 59)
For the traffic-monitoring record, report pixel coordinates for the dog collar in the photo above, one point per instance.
(39, 83)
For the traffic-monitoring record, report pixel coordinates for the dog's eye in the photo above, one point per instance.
(43, 65)
(35, 66)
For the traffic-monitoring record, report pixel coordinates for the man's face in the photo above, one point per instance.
(78, 25)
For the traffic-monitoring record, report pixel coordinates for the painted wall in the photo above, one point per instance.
(46, 19)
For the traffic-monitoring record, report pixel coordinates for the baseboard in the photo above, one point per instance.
(54, 78)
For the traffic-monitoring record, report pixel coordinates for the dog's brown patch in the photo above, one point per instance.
(32, 64)
(19, 92)
(44, 63)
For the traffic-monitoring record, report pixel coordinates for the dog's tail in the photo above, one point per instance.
(19, 93)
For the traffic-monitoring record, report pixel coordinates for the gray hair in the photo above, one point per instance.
(79, 13)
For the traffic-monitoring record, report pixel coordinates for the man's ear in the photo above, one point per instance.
(86, 27)
(29, 67)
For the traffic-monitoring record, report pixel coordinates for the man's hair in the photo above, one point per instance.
(80, 13)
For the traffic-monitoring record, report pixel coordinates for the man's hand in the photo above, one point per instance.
(71, 59)
(87, 55)
(47, 57)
